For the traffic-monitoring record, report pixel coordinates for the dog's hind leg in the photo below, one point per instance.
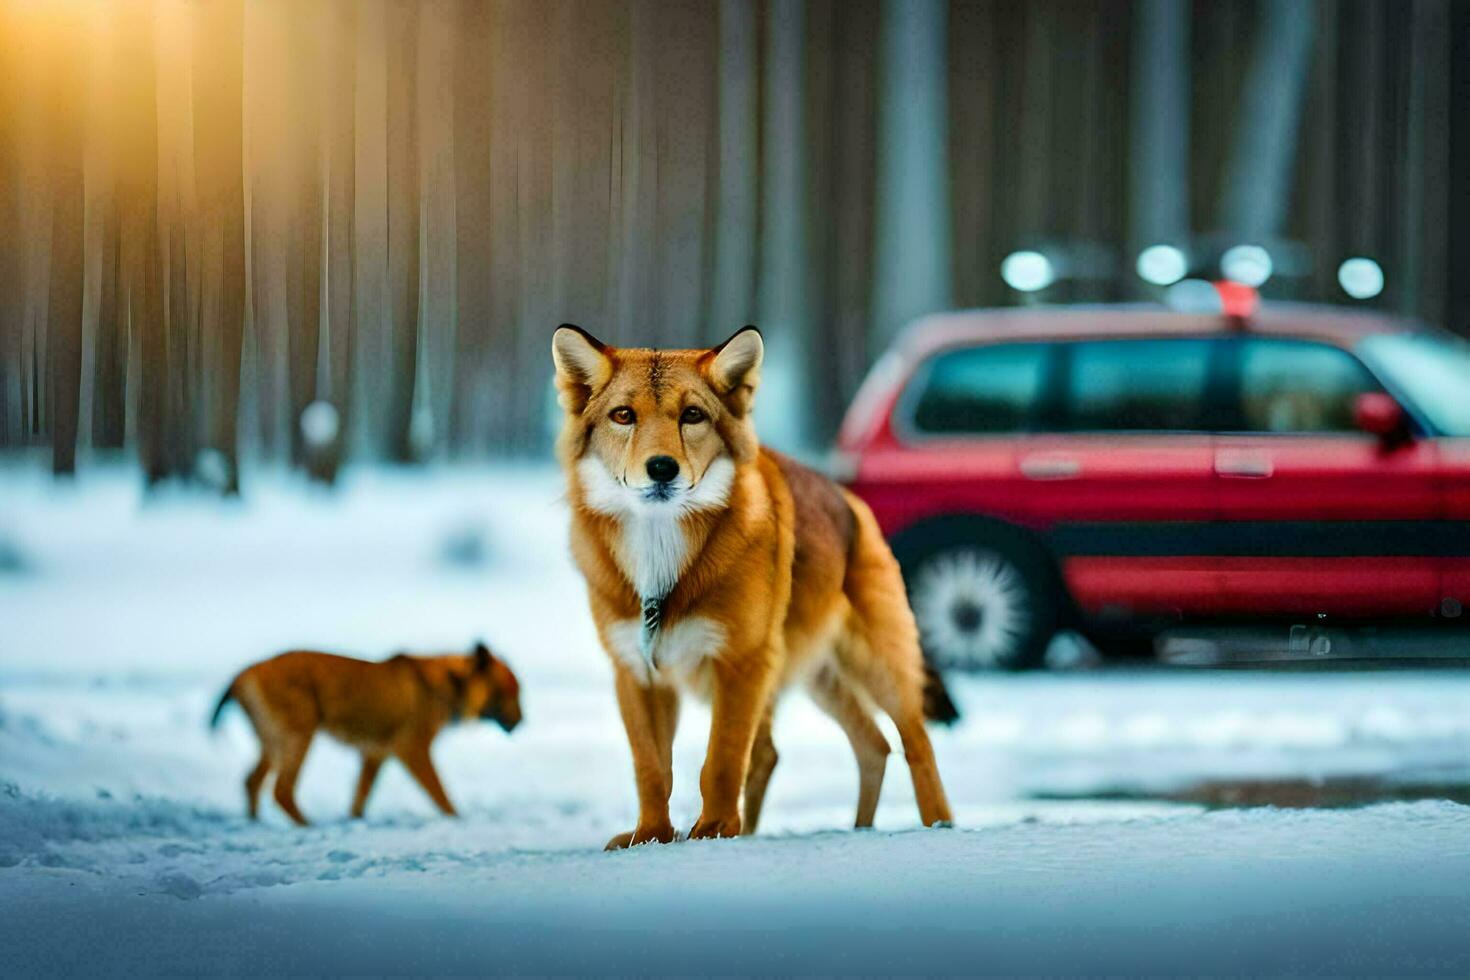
(762, 763)
(899, 692)
(834, 695)
(371, 763)
(882, 655)
(253, 783)
(289, 756)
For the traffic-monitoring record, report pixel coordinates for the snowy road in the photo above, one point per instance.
(122, 844)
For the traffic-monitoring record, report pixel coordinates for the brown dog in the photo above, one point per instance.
(723, 569)
(395, 707)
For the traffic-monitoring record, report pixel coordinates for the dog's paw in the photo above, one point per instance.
(708, 827)
(660, 834)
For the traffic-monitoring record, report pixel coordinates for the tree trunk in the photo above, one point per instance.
(66, 111)
(842, 136)
(219, 38)
(341, 130)
(142, 258)
(305, 26)
(403, 223)
(687, 99)
(1159, 161)
(479, 389)
(736, 203)
(785, 267)
(507, 62)
(1264, 152)
(10, 275)
(434, 382)
(913, 274)
(372, 373)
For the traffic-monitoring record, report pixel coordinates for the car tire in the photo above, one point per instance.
(984, 597)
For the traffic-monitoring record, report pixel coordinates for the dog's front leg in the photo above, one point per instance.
(650, 715)
(742, 690)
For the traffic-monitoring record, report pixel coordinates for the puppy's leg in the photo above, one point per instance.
(415, 758)
(253, 782)
(371, 763)
(288, 759)
(763, 759)
(835, 696)
(741, 696)
(650, 717)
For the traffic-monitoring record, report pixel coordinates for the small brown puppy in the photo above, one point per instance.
(395, 707)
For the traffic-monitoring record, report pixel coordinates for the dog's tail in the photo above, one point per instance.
(938, 705)
(219, 707)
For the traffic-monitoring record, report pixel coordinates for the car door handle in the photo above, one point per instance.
(1050, 467)
(1244, 466)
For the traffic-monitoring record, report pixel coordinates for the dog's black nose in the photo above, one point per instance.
(663, 468)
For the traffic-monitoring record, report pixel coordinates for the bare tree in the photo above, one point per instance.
(1264, 149)
(737, 194)
(403, 223)
(913, 269)
(219, 38)
(478, 389)
(842, 99)
(65, 108)
(341, 160)
(10, 269)
(141, 252)
(304, 30)
(785, 248)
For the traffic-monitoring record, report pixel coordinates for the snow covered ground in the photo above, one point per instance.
(123, 843)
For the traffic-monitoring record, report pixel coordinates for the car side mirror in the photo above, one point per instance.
(1376, 413)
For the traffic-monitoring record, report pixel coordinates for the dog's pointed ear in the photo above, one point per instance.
(483, 659)
(584, 365)
(734, 368)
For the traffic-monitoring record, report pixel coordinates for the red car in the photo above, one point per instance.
(1119, 469)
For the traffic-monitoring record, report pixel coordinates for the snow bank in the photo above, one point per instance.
(1257, 892)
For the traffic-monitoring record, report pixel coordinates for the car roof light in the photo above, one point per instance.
(1237, 301)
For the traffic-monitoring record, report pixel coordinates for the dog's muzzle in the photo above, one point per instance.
(506, 721)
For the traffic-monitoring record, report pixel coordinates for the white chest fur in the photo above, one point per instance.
(652, 547)
(652, 550)
(677, 649)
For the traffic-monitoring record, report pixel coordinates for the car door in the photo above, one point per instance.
(1122, 473)
(1317, 517)
(1429, 369)
(1454, 458)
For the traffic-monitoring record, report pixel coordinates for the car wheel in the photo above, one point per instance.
(982, 606)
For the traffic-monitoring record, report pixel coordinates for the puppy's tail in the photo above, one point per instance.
(938, 705)
(219, 708)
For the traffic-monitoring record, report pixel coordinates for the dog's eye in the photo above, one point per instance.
(692, 416)
(622, 415)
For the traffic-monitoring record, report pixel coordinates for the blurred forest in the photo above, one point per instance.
(310, 231)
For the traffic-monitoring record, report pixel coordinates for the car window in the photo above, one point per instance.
(1137, 385)
(1430, 367)
(993, 388)
(1299, 386)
